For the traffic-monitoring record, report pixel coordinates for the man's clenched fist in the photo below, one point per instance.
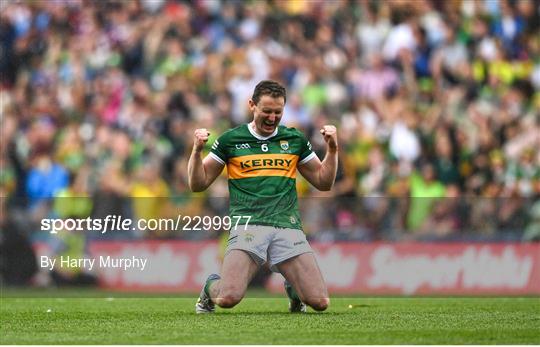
(330, 136)
(199, 139)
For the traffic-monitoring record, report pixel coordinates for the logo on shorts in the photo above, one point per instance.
(249, 237)
(299, 243)
(284, 145)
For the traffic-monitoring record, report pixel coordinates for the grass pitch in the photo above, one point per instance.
(170, 320)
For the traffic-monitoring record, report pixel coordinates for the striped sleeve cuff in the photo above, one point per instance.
(308, 158)
(216, 158)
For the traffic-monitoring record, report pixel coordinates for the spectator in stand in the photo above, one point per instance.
(46, 178)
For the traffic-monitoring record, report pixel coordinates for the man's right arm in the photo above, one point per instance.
(202, 172)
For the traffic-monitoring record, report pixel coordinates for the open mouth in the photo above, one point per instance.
(267, 125)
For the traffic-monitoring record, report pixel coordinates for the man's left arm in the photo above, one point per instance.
(323, 174)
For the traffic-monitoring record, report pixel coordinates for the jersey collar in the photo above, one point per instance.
(259, 137)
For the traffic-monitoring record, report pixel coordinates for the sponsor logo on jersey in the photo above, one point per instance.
(273, 163)
(256, 165)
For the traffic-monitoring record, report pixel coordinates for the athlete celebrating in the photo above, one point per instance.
(262, 158)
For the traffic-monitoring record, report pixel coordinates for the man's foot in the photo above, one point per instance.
(295, 304)
(204, 303)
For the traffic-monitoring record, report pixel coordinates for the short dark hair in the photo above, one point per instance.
(268, 87)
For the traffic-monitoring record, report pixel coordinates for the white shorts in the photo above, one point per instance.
(266, 243)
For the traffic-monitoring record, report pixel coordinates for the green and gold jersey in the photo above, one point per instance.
(262, 173)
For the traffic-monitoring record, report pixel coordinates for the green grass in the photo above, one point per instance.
(167, 320)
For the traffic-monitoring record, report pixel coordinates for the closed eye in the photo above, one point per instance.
(276, 112)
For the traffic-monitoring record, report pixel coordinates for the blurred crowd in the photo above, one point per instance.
(437, 105)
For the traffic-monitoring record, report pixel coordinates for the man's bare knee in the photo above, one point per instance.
(228, 301)
(318, 304)
(229, 297)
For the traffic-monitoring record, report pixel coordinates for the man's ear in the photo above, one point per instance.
(251, 105)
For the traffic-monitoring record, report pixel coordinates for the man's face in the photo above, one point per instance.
(267, 114)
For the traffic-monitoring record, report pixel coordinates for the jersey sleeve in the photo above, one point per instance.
(306, 152)
(218, 150)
